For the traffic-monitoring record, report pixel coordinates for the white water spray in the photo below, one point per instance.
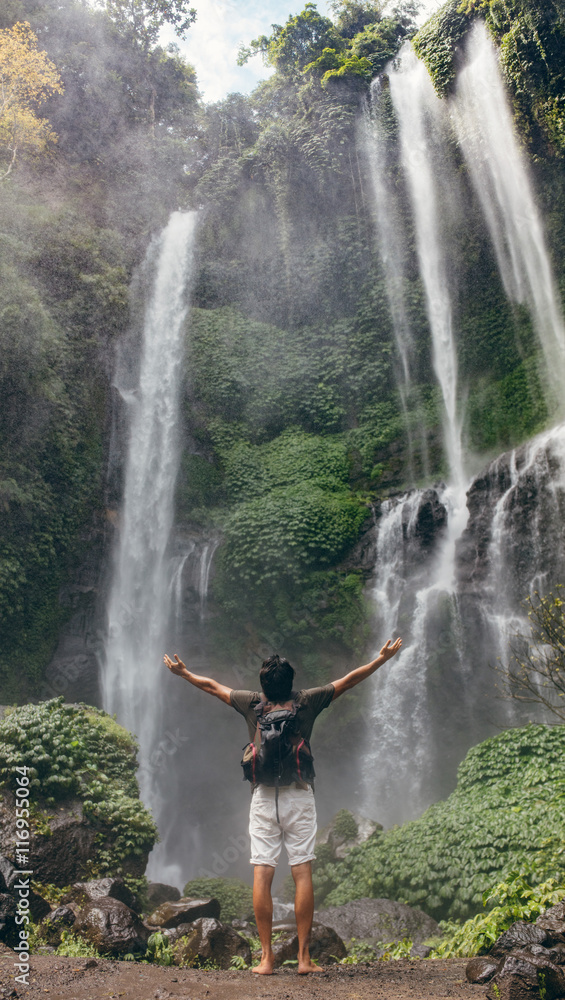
(500, 176)
(140, 599)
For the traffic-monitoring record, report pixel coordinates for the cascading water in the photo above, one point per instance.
(450, 586)
(140, 598)
(499, 174)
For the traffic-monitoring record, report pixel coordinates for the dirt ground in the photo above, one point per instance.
(80, 979)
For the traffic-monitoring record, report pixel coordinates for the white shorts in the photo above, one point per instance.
(297, 827)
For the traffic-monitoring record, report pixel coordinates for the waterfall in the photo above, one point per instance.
(380, 155)
(420, 117)
(140, 598)
(499, 173)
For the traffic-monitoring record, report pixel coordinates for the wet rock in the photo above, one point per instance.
(519, 935)
(185, 911)
(8, 930)
(114, 888)
(481, 969)
(374, 920)
(7, 874)
(207, 940)
(244, 927)
(112, 927)
(55, 922)
(523, 976)
(552, 922)
(159, 892)
(326, 946)
(61, 857)
(38, 906)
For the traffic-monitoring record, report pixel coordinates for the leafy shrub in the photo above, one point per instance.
(234, 896)
(516, 898)
(344, 825)
(80, 752)
(506, 812)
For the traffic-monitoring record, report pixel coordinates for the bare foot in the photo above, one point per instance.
(306, 966)
(265, 968)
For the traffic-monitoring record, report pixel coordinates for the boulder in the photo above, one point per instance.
(481, 969)
(326, 946)
(158, 892)
(7, 874)
(378, 920)
(523, 976)
(114, 888)
(185, 911)
(112, 927)
(345, 831)
(519, 935)
(8, 929)
(207, 940)
(38, 906)
(55, 922)
(61, 857)
(553, 923)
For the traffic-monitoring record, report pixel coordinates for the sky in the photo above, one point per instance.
(221, 26)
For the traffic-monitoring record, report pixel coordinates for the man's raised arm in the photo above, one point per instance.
(389, 650)
(206, 684)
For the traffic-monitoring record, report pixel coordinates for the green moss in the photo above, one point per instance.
(437, 41)
(506, 812)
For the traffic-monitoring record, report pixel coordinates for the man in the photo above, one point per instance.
(289, 811)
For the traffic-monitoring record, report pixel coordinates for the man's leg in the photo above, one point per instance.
(263, 907)
(304, 911)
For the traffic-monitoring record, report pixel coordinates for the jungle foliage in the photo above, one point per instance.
(505, 815)
(77, 752)
(290, 346)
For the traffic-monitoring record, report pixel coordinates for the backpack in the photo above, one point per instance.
(283, 755)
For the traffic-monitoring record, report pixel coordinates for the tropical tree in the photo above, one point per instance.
(27, 79)
(292, 46)
(142, 20)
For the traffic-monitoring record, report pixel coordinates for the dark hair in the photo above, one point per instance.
(276, 677)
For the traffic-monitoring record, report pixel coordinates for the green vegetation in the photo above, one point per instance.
(516, 899)
(292, 418)
(536, 670)
(78, 752)
(506, 813)
(234, 896)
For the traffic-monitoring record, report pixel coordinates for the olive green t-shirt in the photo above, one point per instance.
(311, 702)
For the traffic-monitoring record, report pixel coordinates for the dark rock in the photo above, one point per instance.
(112, 927)
(184, 912)
(555, 954)
(374, 920)
(114, 888)
(55, 922)
(326, 945)
(38, 906)
(158, 892)
(553, 923)
(207, 940)
(519, 935)
(523, 976)
(481, 969)
(8, 929)
(61, 857)
(420, 951)
(7, 874)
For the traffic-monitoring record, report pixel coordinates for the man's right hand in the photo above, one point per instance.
(176, 666)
